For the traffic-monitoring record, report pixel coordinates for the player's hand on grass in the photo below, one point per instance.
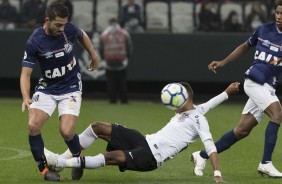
(214, 65)
(218, 179)
(25, 104)
(232, 88)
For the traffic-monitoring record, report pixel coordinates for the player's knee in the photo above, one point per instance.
(98, 127)
(115, 158)
(240, 133)
(34, 128)
(277, 117)
(67, 135)
(110, 160)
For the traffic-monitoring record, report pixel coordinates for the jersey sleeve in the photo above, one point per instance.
(78, 31)
(253, 40)
(202, 127)
(215, 101)
(30, 57)
(75, 30)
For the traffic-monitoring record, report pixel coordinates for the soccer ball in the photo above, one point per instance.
(174, 96)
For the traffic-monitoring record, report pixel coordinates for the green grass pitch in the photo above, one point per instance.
(238, 165)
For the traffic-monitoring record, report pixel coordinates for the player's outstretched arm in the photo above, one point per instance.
(210, 148)
(239, 51)
(217, 174)
(215, 101)
(87, 44)
(232, 88)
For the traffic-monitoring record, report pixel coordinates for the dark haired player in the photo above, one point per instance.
(260, 83)
(52, 46)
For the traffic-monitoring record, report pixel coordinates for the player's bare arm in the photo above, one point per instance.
(232, 88)
(87, 44)
(238, 52)
(215, 165)
(25, 87)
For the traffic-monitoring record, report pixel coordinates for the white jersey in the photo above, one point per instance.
(183, 129)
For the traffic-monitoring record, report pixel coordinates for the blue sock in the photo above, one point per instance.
(37, 149)
(225, 142)
(74, 145)
(271, 132)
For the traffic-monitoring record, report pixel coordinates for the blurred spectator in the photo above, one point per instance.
(68, 4)
(131, 17)
(256, 17)
(232, 24)
(8, 15)
(209, 17)
(270, 4)
(115, 49)
(33, 13)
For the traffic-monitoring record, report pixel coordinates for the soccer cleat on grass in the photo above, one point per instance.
(52, 159)
(199, 162)
(50, 175)
(77, 173)
(269, 169)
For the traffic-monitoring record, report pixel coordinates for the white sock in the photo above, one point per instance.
(95, 162)
(87, 137)
(73, 162)
(66, 155)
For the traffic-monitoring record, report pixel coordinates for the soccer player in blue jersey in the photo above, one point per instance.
(52, 46)
(260, 83)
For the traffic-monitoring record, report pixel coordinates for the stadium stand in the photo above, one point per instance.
(157, 16)
(83, 14)
(182, 17)
(16, 4)
(140, 2)
(227, 7)
(105, 9)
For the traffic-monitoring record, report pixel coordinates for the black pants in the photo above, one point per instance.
(139, 156)
(117, 85)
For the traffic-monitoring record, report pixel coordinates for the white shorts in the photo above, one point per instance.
(67, 104)
(260, 97)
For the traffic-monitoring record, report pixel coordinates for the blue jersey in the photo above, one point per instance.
(267, 65)
(60, 73)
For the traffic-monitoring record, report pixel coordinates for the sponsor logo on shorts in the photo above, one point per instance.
(272, 92)
(73, 98)
(35, 98)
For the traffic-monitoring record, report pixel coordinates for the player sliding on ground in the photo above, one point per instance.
(130, 150)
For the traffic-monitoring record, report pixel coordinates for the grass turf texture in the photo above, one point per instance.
(238, 165)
